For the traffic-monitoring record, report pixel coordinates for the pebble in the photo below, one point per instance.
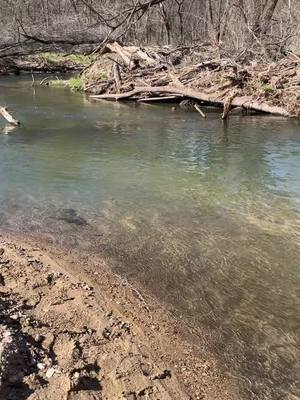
(38, 338)
(6, 334)
(25, 321)
(50, 373)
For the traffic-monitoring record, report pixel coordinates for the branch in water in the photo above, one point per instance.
(9, 118)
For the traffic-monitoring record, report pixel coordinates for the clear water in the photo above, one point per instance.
(203, 213)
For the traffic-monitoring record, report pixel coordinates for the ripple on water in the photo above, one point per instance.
(202, 213)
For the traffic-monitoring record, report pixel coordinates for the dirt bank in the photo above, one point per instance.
(71, 329)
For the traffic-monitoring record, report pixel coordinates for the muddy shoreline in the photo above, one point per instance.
(71, 328)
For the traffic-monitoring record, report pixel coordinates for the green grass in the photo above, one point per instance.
(102, 75)
(58, 83)
(266, 87)
(57, 58)
(76, 84)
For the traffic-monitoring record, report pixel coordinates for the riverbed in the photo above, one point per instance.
(204, 214)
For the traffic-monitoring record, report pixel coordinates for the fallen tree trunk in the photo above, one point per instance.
(241, 101)
(157, 99)
(142, 55)
(122, 52)
(9, 118)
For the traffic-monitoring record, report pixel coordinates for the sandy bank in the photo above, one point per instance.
(71, 329)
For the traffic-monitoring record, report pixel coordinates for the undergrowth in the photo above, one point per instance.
(76, 84)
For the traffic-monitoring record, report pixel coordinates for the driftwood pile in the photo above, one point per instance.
(166, 74)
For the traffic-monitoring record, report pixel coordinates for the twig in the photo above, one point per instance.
(199, 110)
(44, 80)
(33, 81)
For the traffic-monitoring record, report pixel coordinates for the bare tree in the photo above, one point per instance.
(233, 25)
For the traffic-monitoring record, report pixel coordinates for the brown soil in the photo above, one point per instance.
(71, 329)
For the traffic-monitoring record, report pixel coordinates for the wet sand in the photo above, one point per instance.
(72, 329)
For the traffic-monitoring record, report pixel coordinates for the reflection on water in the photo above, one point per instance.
(6, 129)
(204, 214)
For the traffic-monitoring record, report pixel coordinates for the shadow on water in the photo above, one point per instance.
(206, 215)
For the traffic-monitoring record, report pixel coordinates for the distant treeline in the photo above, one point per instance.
(268, 26)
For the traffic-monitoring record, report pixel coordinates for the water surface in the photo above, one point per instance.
(204, 214)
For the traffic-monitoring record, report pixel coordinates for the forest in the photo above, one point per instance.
(149, 199)
(228, 53)
(241, 27)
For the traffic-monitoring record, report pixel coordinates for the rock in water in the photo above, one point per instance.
(70, 215)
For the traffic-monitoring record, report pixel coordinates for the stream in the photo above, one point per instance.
(205, 214)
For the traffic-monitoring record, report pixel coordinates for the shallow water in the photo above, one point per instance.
(205, 214)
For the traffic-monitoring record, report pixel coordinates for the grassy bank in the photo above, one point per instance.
(47, 62)
(75, 83)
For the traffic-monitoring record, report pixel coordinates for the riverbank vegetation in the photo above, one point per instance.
(50, 62)
(228, 53)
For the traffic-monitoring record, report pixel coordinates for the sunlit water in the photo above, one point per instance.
(204, 214)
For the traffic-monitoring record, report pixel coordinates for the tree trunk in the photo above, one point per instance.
(241, 101)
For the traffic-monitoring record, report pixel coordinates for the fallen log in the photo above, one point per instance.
(157, 99)
(128, 53)
(121, 51)
(9, 118)
(142, 55)
(246, 102)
